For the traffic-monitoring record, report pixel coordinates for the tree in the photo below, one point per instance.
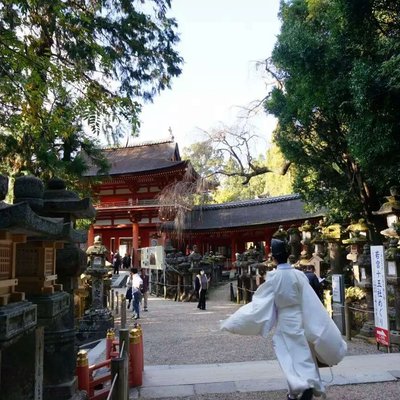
(226, 158)
(277, 184)
(205, 158)
(232, 188)
(69, 63)
(336, 63)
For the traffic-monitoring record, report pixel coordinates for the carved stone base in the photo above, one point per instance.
(94, 325)
(50, 306)
(15, 320)
(367, 330)
(64, 391)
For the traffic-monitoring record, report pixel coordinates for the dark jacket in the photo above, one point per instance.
(315, 283)
(145, 286)
(126, 261)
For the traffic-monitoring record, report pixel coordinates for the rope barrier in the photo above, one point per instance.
(245, 289)
(169, 285)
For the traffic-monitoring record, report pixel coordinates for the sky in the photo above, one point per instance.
(221, 43)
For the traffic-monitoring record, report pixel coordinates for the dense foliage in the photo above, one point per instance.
(67, 63)
(337, 66)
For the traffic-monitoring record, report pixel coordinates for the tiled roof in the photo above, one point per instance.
(263, 211)
(140, 158)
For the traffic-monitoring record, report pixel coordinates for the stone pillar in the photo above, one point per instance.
(392, 256)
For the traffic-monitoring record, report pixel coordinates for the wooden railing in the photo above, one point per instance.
(127, 204)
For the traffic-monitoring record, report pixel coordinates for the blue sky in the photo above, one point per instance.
(221, 42)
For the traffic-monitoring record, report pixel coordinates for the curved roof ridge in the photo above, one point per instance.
(250, 202)
(141, 144)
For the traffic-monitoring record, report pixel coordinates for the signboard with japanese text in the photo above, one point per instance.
(153, 257)
(380, 295)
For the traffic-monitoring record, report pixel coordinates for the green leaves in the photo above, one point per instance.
(337, 101)
(67, 65)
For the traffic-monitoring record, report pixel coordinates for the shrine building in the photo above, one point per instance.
(127, 207)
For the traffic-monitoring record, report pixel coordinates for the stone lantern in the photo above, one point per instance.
(29, 244)
(357, 238)
(280, 234)
(332, 234)
(319, 250)
(294, 242)
(98, 319)
(307, 248)
(48, 266)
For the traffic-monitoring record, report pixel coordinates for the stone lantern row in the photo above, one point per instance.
(330, 248)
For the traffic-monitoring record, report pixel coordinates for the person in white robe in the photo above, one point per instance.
(304, 331)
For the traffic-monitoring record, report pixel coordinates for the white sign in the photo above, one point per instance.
(380, 295)
(153, 257)
(337, 288)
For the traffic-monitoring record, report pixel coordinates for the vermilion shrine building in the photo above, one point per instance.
(128, 210)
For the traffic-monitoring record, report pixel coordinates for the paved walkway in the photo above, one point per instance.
(188, 357)
(258, 376)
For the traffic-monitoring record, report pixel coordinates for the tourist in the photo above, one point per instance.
(128, 294)
(116, 262)
(203, 283)
(136, 283)
(126, 261)
(304, 332)
(314, 281)
(145, 288)
(197, 287)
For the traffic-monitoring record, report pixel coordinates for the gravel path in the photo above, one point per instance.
(179, 333)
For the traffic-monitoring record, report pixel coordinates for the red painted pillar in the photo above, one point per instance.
(233, 248)
(82, 371)
(135, 358)
(135, 243)
(90, 239)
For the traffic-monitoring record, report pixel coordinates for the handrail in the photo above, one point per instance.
(110, 393)
(128, 203)
(121, 350)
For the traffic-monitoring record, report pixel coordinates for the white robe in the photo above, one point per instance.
(287, 302)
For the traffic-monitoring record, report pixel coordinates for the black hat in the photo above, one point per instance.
(278, 248)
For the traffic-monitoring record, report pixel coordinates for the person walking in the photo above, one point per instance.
(314, 281)
(116, 262)
(304, 331)
(145, 288)
(129, 295)
(126, 261)
(136, 283)
(203, 280)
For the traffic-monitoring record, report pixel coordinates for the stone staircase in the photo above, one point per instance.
(119, 281)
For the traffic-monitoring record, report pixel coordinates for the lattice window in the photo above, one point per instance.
(49, 262)
(5, 261)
